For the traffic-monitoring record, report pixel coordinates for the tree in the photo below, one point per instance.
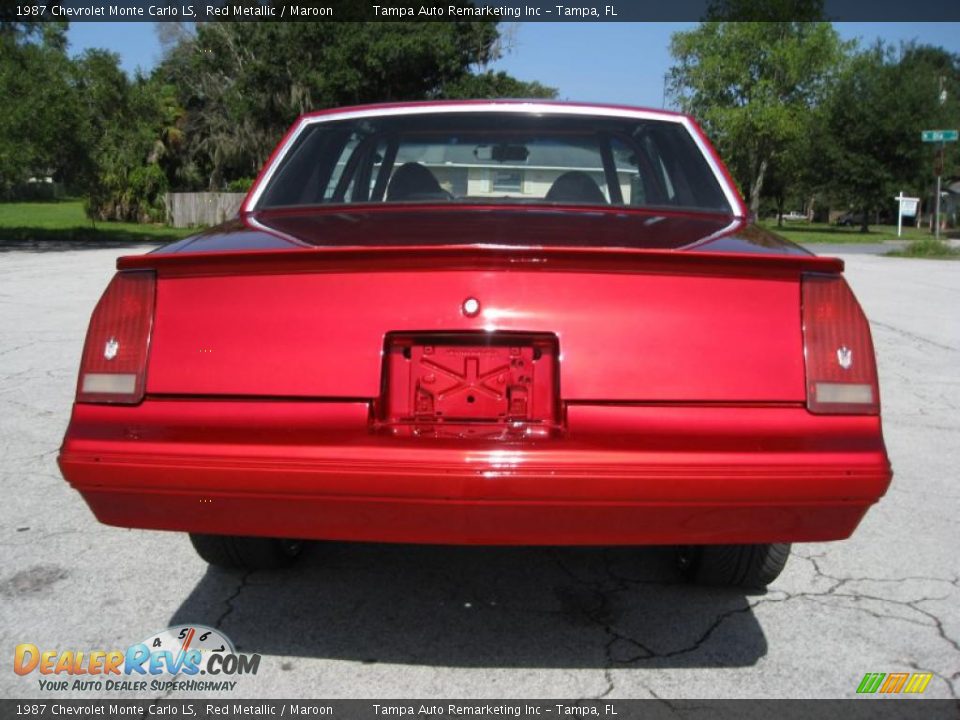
(874, 116)
(136, 154)
(753, 86)
(243, 84)
(932, 78)
(102, 93)
(495, 85)
(215, 107)
(35, 70)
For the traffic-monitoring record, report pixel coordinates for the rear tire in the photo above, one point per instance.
(746, 566)
(246, 553)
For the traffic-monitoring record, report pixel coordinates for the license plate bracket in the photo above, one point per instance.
(470, 379)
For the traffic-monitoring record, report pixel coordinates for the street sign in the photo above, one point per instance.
(939, 135)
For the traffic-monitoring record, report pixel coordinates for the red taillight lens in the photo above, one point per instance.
(114, 364)
(841, 369)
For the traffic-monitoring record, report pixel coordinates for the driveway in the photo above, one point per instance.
(382, 621)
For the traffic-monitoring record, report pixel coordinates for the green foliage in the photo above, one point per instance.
(84, 123)
(810, 233)
(870, 147)
(797, 114)
(102, 90)
(495, 85)
(40, 108)
(928, 248)
(753, 85)
(243, 84)
(211, 113)
(240, 185)
(56, 222)
(800, 116)
(135, 154)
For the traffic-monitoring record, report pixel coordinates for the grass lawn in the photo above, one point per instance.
(803, 232)
(65, 221)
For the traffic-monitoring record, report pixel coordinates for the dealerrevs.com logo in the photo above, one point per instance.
(184, 657)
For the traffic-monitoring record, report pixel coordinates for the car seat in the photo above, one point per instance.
(412, 182)
(575, 186)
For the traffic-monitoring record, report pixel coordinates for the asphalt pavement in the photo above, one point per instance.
(395, 621)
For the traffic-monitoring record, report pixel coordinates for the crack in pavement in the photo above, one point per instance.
(599, 613)
(244, 582)
(19, 347)
(36, 457)
(911, 604)
(913, 336)
(622, 584)
(40, 535)
(689, 706)
(229, 603)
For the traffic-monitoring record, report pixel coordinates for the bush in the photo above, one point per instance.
(134, 196)
(145, 194)
(240, 185)
(928, 248)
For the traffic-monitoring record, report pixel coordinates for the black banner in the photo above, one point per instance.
(854, 709)
(461, 11)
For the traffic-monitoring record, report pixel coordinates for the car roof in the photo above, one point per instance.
(495, 105)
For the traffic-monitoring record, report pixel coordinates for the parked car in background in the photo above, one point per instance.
(850, 218)
(505, 323)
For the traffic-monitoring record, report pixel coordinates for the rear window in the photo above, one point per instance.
(483, 158)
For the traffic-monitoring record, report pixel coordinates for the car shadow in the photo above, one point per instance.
(481, 607)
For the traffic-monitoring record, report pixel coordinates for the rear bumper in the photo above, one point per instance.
(621, 475)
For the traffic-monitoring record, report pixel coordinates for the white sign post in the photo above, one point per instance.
(907, 206)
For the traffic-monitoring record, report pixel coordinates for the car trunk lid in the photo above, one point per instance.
(630, 325)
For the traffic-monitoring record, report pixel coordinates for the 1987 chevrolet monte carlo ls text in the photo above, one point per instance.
(484, 323)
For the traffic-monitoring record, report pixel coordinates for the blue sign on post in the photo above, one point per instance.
(939, 135)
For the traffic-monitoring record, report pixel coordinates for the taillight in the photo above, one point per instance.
(114, 364)
(838, 351)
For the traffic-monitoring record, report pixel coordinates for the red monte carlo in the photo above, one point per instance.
(515, 323)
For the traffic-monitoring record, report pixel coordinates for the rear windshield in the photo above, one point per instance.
(484, 158)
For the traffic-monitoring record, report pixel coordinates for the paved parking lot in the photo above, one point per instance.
(391, 622)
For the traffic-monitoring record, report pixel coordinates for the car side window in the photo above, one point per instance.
(628, 173)
(656, 160)
(340, 165)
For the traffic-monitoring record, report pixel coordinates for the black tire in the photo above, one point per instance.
(746, 566)
(246, 553)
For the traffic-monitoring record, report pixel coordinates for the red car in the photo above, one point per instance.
(515, 323)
